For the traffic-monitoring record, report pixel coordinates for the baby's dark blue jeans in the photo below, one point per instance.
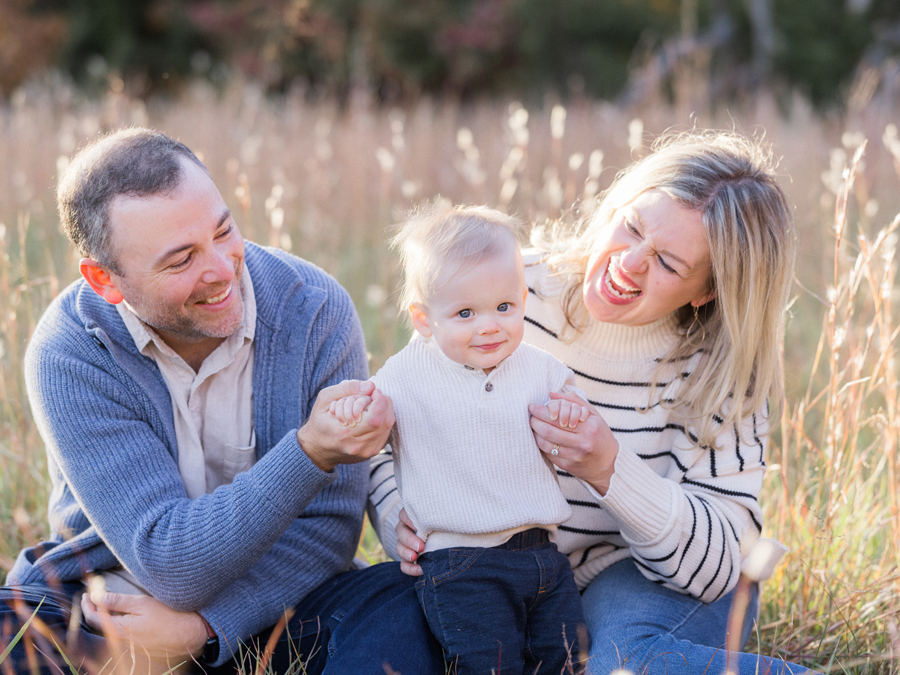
(513, 608)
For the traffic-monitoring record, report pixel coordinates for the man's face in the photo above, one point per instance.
(182, 257)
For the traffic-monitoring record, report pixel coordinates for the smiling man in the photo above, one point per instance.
(181, 389)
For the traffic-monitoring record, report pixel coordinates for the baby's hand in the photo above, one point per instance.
(567, 414)
(349, 410)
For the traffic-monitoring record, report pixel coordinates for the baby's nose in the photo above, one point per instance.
(489, 326)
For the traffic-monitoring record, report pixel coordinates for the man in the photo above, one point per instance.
(182, 391)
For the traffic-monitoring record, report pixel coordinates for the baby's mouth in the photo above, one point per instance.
(616, 285)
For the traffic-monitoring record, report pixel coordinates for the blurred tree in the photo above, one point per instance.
(584, 45)
(822, 41)
(29, 39)
(152, 42)
(279, 41)
(398, 48)
(459, 47)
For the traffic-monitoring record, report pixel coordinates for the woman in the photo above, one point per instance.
(669, 306)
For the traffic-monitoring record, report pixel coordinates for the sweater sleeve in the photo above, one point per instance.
(384, 503)
(689, 534)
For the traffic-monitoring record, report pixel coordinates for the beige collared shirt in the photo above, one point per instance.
(213, 408)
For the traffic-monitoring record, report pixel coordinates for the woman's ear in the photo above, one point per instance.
(420, 319)
(100, 280)
(703, 299)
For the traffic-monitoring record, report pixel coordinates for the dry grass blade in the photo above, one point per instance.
(18, 636)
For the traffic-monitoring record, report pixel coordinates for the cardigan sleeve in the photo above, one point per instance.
(690, 534)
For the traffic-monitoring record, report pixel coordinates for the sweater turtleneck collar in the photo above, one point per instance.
(615, 341)
(607, 341)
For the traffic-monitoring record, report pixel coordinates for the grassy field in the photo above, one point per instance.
(326, 183)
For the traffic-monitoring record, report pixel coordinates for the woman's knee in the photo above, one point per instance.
(627, 615)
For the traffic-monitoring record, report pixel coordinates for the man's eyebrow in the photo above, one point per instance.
(175, 250)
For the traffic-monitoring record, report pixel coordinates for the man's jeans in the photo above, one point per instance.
(643, 627)
(36, 653)
(354, 624)
(510, 609)
(362, 622)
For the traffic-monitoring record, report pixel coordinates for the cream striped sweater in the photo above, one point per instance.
(683, 514)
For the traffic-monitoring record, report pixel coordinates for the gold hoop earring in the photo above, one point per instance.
(695, 322)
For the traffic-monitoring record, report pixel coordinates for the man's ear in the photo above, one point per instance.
(420, 319)
(99, 279)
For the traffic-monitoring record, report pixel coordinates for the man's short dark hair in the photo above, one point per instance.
(135, 162)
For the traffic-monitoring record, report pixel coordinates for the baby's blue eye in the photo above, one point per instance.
(465, 313)
(503, 307)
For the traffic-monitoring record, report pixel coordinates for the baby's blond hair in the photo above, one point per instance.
(439, 239)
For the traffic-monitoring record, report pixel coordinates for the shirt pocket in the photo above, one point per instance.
(237, 459)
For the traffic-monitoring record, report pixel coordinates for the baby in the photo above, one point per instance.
(495, 590)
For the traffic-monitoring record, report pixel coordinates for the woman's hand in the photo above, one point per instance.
(408, 546)
(587, 452)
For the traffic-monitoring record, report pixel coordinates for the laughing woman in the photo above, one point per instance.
(668, 303)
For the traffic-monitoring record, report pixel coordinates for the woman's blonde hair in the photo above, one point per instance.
(729, 180)
(438, 240)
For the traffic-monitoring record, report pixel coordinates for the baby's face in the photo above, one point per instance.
(477, 316)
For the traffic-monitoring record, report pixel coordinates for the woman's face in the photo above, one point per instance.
(649, 260)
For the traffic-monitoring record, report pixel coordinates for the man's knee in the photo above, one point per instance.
(30, 624)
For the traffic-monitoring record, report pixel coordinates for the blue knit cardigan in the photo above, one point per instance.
(243, 553)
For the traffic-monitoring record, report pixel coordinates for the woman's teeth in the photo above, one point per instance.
(216, 298)
(617, 286)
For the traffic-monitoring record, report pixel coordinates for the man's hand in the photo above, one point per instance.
(349, 410)
(165, 635)
(328, 443)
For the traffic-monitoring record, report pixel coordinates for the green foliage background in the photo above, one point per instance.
(462, 48)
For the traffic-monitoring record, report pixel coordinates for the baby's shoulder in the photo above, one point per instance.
(535, 359)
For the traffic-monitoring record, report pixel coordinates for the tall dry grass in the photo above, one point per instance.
(325, 183)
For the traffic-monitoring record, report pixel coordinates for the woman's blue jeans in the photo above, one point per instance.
(644, 627)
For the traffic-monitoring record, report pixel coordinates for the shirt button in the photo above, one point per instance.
(489, 386)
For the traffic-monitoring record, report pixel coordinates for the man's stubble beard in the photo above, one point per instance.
(182, 325)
